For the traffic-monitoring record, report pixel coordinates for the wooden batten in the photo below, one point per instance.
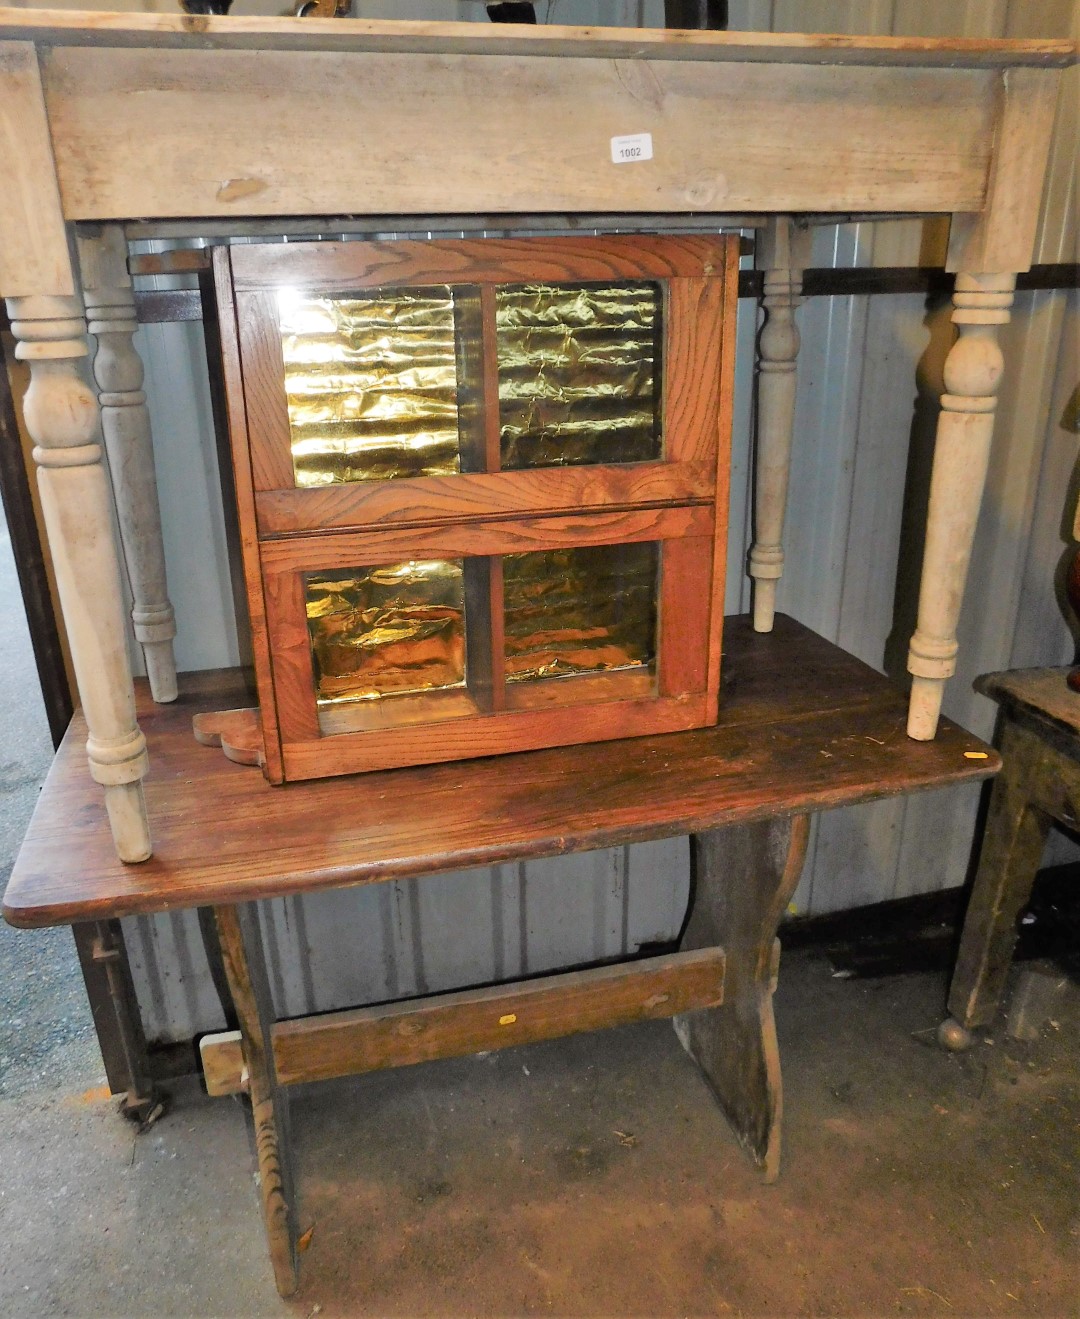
(499, 1017)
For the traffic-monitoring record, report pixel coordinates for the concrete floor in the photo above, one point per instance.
(592, 1176)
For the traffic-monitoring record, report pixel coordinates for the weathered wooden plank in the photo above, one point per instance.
(470, 1021)
(245, 967)
(473, 495)
(247, 32)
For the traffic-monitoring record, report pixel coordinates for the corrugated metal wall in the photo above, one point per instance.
(869, 371)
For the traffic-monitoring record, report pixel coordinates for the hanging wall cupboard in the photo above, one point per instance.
(482, 490)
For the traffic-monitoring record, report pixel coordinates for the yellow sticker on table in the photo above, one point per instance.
(508, 1020)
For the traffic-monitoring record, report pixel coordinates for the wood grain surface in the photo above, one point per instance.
(809, 137)
(201, 32)
(468, 1021)
(469, 496)
(359, 265)
(802, 727)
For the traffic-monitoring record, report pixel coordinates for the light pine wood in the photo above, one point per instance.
(359, 1040)
(245, 967)
(58, 28)
(973, 371)
(783, 253)
(809, 138)
(62, 417)
(33, 239)
(223, 1067)
(1001, 237)
(125, 423)
(743, 880)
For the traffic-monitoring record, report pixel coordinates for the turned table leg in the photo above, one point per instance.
(61, 414)
(125, 422)
(743, 879)
(973, 372)
(782, 253)
(245, 968)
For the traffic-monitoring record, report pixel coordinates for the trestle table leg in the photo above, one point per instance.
(245, 966)
(743, 878)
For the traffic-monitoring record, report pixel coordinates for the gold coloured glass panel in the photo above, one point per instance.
(386, 631)
(372, 384)
(587, 610)
(579, 373)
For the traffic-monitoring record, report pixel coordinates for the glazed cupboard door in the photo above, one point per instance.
(482, 490)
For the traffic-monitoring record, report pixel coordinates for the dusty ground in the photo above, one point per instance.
(593, 1176)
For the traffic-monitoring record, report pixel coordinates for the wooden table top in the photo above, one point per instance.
(256, 32)
(803, 727)
(1044, 693)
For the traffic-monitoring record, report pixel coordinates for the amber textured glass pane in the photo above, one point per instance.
(372, 384)
(588, 610)
(387, 631)
(579, 372)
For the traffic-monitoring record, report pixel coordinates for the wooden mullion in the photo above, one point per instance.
(492, 428)
(245, 967)
(485, 648)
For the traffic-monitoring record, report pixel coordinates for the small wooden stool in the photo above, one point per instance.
(1040, 783)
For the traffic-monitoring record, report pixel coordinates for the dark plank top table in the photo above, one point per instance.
(803, 727)
(1041, 696)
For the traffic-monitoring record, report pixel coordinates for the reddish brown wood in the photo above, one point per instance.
(224, 835)
(261, 384)
(245, 967)
(743, 879)
(481, 514)
(239, 443)
(361, 265)
(722, 486)
(475, 496)
(236, 732)
(490, 374)
(693, 351)
(293, 666)
(685, 601)
(349, 549)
